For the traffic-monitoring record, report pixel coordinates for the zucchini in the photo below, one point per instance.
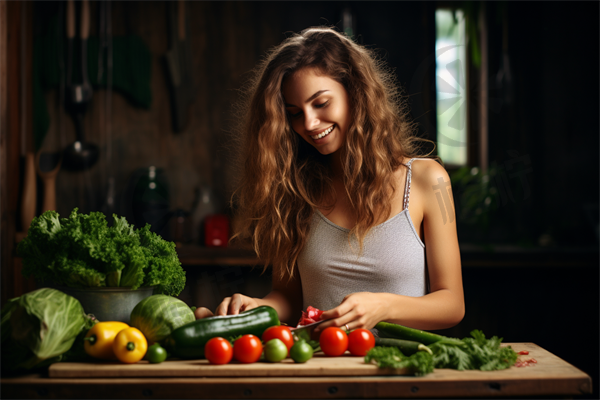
(188, 341)
(389, 330)
(407, 347)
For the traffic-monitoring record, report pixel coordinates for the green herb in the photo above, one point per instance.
(83, 251)
(420, 363)
(474, 353)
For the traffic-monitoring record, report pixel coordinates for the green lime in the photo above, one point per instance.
(275, 350)
(301, 351)
(156, 354)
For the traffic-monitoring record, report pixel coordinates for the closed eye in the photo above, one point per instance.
(322, 104)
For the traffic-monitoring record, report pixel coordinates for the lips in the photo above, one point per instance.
(324, 133)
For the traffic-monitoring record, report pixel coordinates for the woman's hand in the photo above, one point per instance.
(236, 304)
(357, 310)
(202, 312)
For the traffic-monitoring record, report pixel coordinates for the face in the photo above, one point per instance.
(318, 109)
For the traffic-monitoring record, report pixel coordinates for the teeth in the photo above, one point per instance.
(324, 133)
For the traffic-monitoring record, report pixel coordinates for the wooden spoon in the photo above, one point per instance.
(47, 166)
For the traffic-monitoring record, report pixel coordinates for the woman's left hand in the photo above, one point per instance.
(357, 310)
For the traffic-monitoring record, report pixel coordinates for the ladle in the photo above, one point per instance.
(79, 155)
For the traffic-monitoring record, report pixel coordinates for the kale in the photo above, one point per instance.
(84, 251)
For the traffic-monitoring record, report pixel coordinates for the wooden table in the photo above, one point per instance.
(550, 377)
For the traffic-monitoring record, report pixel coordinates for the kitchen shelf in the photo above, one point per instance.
(193, 255)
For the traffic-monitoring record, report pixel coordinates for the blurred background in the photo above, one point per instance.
(508, 91)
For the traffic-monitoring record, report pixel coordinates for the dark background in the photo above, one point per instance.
(530, 274)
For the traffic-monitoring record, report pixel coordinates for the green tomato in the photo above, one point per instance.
(301, 351)
(156, 354)
(275, 350)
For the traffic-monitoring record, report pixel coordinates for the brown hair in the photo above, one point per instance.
(283, 179)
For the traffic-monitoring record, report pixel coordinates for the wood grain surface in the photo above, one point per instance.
(550, 377)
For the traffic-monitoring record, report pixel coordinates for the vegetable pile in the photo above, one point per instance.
(83, 251)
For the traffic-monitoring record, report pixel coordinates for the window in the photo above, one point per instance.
(451, 87)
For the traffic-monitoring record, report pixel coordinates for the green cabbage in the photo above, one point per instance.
(39, 327)
(158, 315)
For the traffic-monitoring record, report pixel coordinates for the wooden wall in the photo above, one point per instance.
(227, 39)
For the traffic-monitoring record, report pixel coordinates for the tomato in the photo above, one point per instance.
(333, 341)
(301, 351)
(156, 354)
(309, 316)
(360, 341)
(247, 349)
(281, 332)
(218, 351)
(275, 350)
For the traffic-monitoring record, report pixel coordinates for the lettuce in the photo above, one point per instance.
(39, 327)
(84, 251)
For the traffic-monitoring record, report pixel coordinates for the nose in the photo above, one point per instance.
(311, 120)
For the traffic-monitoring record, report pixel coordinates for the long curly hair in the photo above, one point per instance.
(283, 179)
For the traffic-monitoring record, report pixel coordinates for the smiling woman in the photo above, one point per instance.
(327, 158)
(318, 109)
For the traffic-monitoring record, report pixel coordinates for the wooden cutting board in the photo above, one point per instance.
(319, 365)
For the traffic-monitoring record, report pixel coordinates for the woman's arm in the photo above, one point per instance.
(444, 306)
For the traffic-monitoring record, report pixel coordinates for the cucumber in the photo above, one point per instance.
(407, 347)
(188, 341)
(389, 330)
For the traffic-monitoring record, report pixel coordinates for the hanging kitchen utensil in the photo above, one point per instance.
(79, 155)
(179, 66)
(47, 165)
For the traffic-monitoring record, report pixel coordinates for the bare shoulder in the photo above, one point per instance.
(428, 172)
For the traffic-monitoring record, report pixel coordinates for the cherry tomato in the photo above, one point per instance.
(281, 332)
(247, 349)
(360, 341)
(218, 351)
(156, 354)
(275, 350)
(333, 341)
(301, 352)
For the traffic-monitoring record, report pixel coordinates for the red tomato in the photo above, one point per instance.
(309, 316)
(282, 332)
(247, 349)
(333, 341)
(218, 351)
(360, 341)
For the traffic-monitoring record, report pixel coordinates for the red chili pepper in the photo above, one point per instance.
(523, 352)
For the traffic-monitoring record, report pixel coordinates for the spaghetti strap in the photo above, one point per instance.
(408, 179)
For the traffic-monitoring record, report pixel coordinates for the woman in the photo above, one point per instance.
(329, 168)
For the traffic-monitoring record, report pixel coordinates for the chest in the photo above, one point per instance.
(342, 213)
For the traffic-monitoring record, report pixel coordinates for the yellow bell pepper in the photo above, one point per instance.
(130, 345)
(99, 339)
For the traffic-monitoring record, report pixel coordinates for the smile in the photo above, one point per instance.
(324, 133)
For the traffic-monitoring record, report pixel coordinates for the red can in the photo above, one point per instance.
(216, 230)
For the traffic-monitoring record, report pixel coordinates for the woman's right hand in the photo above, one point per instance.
(236, 304)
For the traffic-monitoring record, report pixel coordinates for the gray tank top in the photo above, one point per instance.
(392, 261)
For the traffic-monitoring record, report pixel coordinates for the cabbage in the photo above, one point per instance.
(38, 327)
(158, 315)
